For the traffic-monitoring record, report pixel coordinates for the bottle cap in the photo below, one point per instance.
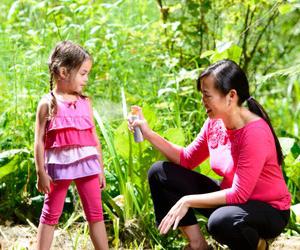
(134, 111)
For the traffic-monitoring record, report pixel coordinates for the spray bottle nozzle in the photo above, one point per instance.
(134, 111)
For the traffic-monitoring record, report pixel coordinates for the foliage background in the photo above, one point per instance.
(154, 50)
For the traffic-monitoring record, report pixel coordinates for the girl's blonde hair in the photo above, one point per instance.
(65, 54)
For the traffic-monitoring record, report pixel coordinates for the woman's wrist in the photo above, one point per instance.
(186, 201)
(148, 134)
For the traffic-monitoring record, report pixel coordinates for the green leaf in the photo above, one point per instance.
(205, 169)
(12, 152)
(292, 169)
(222, 46)
(55, 9)
(286, 144)
(10, 167)
(175, 135)
(227, 50)
(121, 140)
(10, 161)
(12, 9)
(166, 90)
(150, 115)
(207, 53)
(285, 8)
(290, 72)
(296, 209)
(234, 53)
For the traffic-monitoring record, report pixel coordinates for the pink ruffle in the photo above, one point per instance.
(69, 137)
(63, 122)
(68, 155)
(85, 167)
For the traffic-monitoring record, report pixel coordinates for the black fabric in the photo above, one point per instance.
(238, 226)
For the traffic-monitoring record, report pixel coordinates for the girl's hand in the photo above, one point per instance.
(175, 214)
(141, 122)
(44, 182)
(102, 180)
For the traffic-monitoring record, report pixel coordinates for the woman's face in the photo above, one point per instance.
(215, 103)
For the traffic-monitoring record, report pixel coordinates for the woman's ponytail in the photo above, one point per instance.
(257, 109)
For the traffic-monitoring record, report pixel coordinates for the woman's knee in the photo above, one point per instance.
(155, 170)
(220, 222)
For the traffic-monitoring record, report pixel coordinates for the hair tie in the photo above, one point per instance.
(249, 98)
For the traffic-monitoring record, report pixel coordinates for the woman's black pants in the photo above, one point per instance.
(238, 226)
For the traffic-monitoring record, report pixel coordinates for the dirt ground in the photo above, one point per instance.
(23, 238)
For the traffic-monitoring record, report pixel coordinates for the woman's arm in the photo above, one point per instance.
(178, 211)
(253, 153)
(188, 157)
(43, 179)
(208, 200)
(169, 150)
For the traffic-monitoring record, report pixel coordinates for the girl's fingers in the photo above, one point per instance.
(49, 188)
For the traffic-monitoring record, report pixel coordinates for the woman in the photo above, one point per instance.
(252, 201)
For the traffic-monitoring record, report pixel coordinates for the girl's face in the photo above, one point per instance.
(79, 79)
(215, 103)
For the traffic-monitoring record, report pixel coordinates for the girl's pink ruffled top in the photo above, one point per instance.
(70, 145)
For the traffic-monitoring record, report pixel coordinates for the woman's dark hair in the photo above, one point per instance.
(228, 75)
(65, 54)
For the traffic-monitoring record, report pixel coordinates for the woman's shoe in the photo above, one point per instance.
(262, 244)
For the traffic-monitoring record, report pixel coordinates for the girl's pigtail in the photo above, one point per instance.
(256, 108)
(53, 103)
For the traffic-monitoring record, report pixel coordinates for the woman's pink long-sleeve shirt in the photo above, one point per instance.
(246, 159)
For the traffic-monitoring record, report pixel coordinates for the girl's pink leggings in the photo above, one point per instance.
(90, 195)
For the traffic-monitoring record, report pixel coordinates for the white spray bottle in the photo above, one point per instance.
(138, 136)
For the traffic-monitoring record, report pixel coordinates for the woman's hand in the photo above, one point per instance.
(141, 122)
(102, 180)
(44, 182)
(176, 213)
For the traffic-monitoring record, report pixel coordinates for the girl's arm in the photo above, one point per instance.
(43, 179)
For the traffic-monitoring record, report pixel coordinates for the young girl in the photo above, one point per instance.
(66, 146)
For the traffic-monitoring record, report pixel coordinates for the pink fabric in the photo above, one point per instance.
(66, 130)
(62, 122)
(69, 154)
(90, 195)
(84, 167)
(71, 115)
(246, 159)
(69, 137)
